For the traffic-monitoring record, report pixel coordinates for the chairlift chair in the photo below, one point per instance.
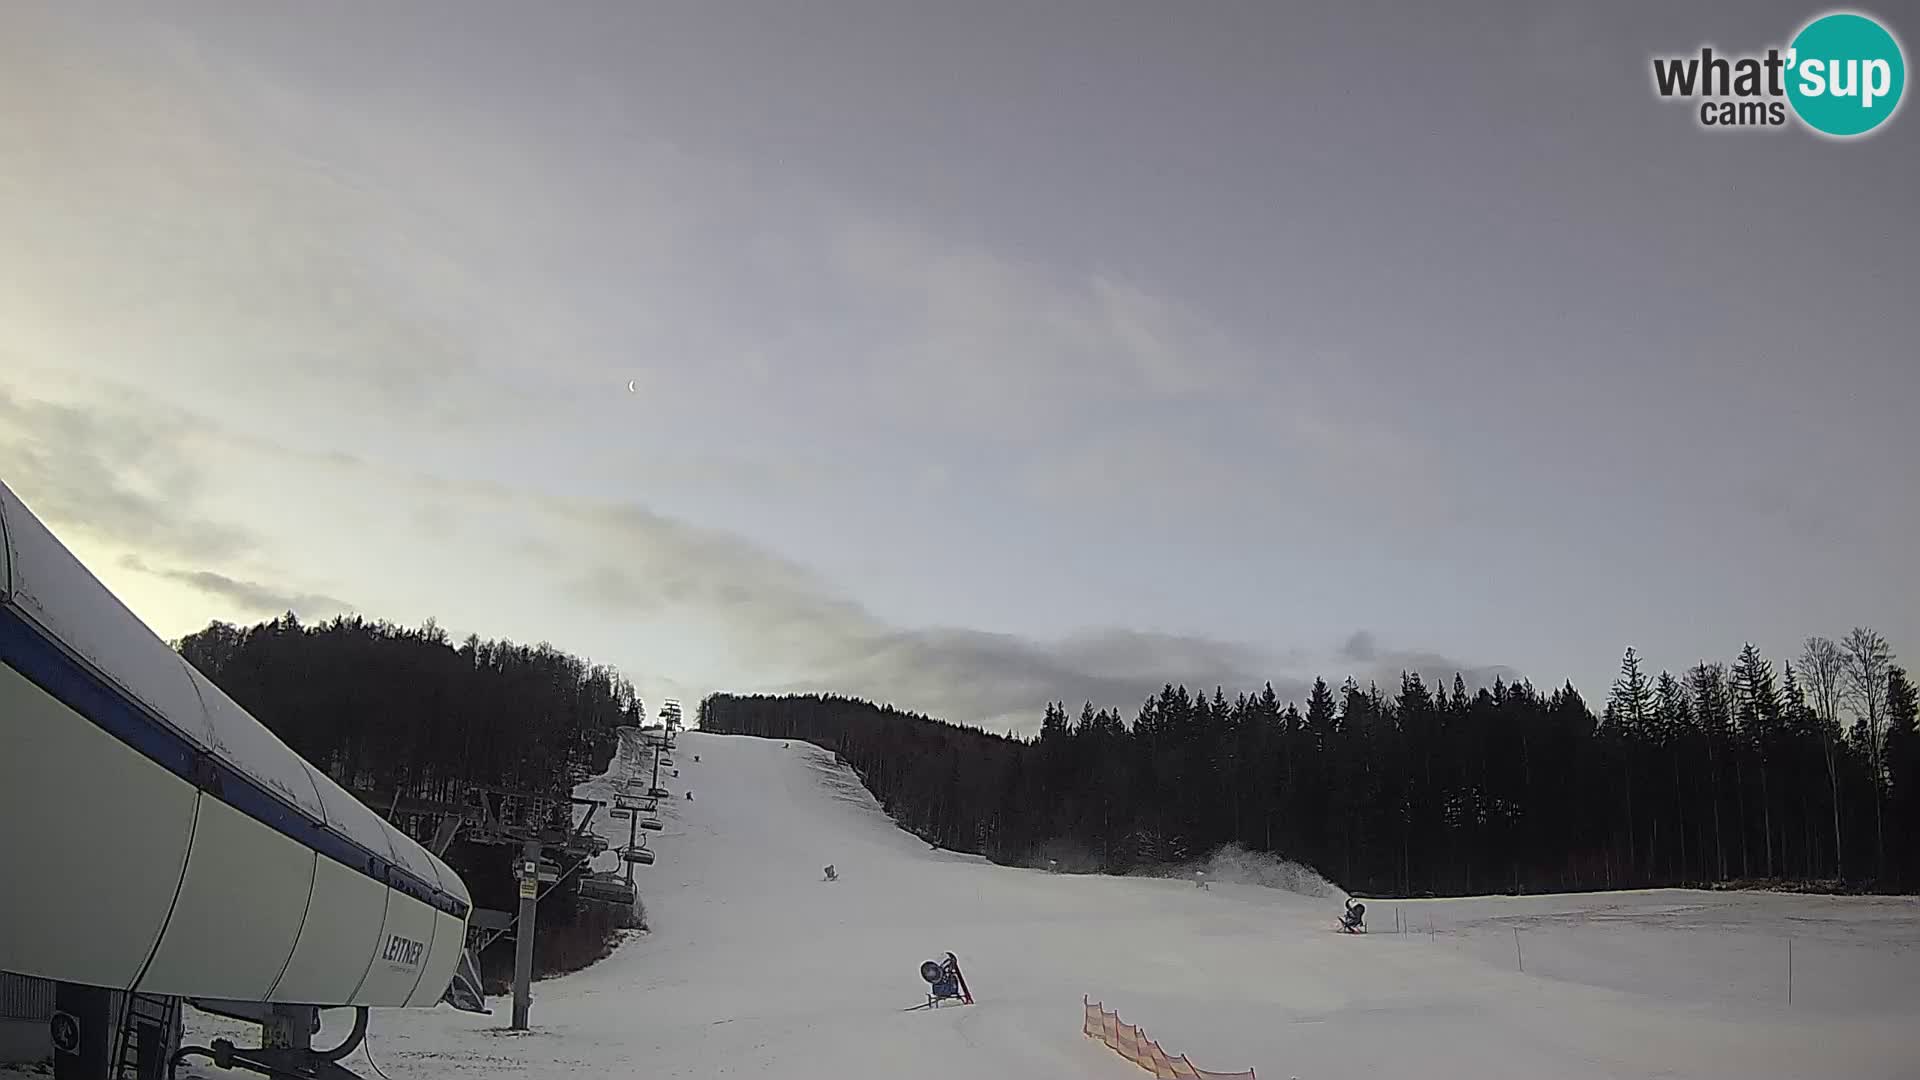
(651, 824)
(607, 888)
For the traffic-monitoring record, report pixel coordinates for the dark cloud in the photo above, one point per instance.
(1359, 648)
(1362, 658)
(1006, 680)
(250, 596)
(779, 616)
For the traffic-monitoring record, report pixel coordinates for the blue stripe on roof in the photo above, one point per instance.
(26, 650)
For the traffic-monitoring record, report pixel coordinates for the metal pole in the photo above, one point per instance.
(1516, 950)
(633, 835)
(1789, 971)
(523, 933)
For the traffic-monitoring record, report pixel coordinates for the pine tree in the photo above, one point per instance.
(1673, 717)
(1320, 714)
(1629, 716)
(1631, 701)
(1757, 707)
(1903, 769)
(1708, 684)
(1800, 736)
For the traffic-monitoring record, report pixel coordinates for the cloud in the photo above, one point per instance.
(390, 277)
(249, 596)
(402, 272)
(783, 620)
(130, 476)
(178, 237)
(130, 473)
(1005, 680)
(120, 474)
(1361, 656)
(799, 632)
(1360, 647)
(964, 334)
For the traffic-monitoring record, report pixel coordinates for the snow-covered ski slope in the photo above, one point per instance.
(758, 967)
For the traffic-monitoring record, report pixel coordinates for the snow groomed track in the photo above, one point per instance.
(758, 967)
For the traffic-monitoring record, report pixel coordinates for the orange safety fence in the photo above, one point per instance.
(1132, 1043)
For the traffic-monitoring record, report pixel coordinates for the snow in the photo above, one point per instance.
(755, 966)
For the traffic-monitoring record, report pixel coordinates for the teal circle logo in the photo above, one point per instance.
(1845, 74)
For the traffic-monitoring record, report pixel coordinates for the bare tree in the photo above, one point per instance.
(1820, 668)
(1867, 659)
(1821, 665)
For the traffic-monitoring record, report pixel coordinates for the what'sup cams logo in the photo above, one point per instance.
(1842, 76)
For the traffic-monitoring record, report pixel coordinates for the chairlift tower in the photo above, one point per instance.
(538, 827)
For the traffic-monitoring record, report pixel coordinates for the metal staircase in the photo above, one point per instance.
(149, 1031)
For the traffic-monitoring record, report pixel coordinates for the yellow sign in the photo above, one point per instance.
(529, 889)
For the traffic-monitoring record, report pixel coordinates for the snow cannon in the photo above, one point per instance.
(1354, 921)
(945, 984)
(942, 985)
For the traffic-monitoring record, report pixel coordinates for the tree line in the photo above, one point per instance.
(403, 710)
(1807, 770)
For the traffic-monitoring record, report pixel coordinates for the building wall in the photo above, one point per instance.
(26, 1004)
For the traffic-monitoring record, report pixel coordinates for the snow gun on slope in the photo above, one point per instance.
(1354, 920)
(945, 984)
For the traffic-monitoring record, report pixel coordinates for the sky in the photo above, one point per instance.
(966, 356)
